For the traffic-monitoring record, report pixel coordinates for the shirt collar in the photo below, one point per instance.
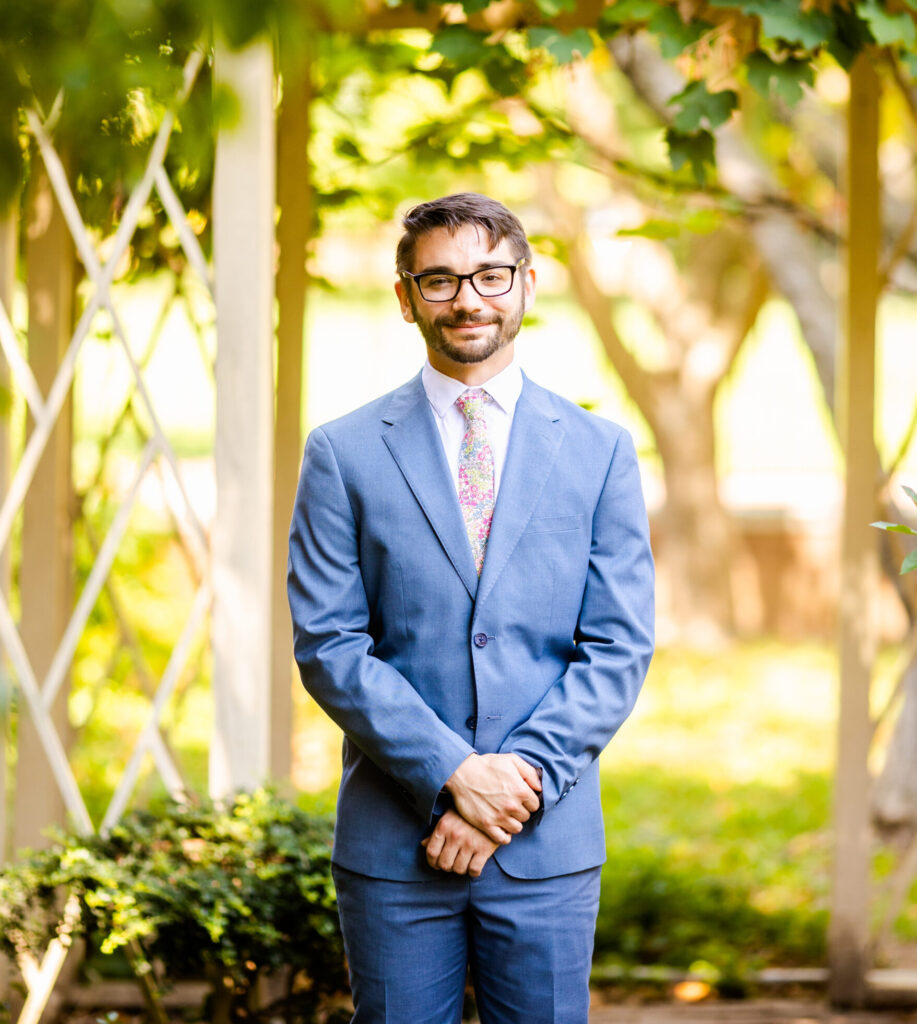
(442, 391)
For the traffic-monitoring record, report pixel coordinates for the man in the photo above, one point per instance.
(472, 595)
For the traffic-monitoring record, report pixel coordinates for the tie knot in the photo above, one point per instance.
(471, 402)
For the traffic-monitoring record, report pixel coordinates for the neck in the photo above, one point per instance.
(472, 374)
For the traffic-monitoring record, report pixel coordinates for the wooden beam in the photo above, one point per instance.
(243, 201)
(294, 231)
(849, 953)
(46, 566)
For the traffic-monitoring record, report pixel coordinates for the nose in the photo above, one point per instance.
(467, 298)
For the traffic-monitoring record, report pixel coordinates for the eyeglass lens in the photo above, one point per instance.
(490, 282)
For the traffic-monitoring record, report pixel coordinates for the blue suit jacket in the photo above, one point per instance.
(420, 663)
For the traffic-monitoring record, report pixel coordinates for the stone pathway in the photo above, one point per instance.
(750, 1012)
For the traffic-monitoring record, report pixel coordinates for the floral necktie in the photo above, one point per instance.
(476, 473)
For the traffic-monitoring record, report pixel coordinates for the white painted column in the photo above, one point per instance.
(243, 211)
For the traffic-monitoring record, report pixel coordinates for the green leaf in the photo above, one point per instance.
(910, 492)
(910, 563)
(460, 44)
(673, 34)
(909, 59)
(695, 149)
(785, 77)
(550, 8)
(628, 10)
(894, 528)
(848, 36)
(563, 46)
(700, 108)
(504, 73)
(475, 6)
(784, 19)
(888, 29)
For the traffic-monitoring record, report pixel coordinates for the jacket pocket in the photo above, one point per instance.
(554, 524)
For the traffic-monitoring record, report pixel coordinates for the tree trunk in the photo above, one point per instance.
(894, 797)
(697, 540)
(704, 323)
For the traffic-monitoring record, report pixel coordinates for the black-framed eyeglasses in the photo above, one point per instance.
(488, 283)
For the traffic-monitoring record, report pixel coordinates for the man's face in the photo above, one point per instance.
(470, 335)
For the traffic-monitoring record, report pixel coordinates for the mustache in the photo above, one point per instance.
(460, 320)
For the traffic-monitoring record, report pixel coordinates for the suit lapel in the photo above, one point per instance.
(533, 446)
(414, 442)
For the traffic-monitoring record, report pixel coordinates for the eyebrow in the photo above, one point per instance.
(448, 270)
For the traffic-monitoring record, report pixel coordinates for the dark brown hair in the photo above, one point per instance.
(453, 212)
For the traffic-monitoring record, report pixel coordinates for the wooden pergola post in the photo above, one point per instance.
(9, 237)
(46, 565)
(849, 931)
(243, 204)
(294, 231)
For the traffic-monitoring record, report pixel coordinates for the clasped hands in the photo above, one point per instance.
(494, 795)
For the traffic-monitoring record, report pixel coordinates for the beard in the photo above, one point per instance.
(498, 330)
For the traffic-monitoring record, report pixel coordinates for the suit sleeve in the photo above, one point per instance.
(372, 702)
(586, 706)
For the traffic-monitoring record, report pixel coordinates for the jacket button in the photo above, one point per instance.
(480, 640)
(470, 722)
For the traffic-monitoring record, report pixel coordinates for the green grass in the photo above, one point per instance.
(716, 797)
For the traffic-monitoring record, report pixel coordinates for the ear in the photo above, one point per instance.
(401, 290)
(528, 287)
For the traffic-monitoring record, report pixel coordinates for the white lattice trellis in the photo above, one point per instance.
(39, 695)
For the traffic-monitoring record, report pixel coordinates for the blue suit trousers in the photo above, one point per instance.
(528, 943)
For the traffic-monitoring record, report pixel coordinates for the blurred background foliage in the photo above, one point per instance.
(679, 168)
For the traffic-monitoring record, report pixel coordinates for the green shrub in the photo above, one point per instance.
(656, 912)
(236, 894)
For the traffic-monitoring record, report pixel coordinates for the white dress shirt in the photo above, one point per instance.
(504, 390)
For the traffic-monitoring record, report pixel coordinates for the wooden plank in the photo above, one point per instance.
(126, 995)
(46, 568)
(243, 201)
(849, 929)
(732, 1012)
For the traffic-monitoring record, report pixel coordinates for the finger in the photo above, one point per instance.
(461, 862)
(497, 834)
(476, 865)
(447, 857)
(434, 844)
(512, 823)
(528, 772)
(531, 802)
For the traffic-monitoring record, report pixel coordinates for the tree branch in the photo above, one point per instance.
(787, 251)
